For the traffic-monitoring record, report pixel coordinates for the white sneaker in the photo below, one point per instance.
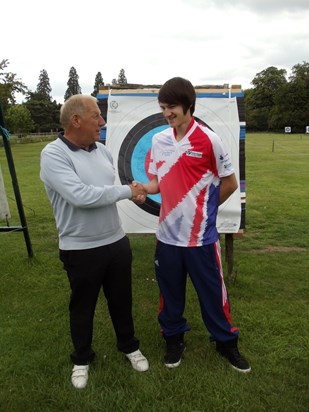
(138, 361)
(79, 376)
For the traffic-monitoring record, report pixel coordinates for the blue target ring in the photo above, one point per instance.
(133, 153)
(139, 154)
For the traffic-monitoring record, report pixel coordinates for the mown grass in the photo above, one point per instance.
(269, 303)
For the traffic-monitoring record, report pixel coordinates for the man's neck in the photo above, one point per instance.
(182, 129)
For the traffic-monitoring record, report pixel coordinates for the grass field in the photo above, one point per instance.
(269, 303)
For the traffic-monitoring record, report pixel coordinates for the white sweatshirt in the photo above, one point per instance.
(81, 190)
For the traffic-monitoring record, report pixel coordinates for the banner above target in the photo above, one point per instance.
(132, 120)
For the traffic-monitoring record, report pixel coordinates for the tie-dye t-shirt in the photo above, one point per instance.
(189, 173)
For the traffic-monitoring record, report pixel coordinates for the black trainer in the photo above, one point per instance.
(174, 352)
(231, 353)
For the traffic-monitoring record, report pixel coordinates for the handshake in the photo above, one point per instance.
(139, 192)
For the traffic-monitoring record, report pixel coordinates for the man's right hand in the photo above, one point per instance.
(139, 193)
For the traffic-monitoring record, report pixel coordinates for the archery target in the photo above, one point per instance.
(131, 123)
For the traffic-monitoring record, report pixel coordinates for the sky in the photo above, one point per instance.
(208, 42)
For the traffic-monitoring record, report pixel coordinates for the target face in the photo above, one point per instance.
(132, 121)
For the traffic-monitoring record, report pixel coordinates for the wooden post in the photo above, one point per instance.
(229, 255)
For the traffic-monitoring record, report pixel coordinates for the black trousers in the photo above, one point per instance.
(107, 267)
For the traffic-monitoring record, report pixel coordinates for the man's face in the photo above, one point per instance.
(174, 114)
(91, 123)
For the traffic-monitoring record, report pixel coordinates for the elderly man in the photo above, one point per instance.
(78, 175)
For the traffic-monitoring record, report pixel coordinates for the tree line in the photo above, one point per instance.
(39, 113)
(274, 101)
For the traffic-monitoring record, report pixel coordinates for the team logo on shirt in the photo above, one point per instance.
(167, 153)
(192, 153)
(224, 159)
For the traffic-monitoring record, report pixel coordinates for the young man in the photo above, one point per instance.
(193, 172)
(78, 175)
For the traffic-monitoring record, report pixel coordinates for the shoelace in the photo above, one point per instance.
(79, 371)
(137, 357)
(235, 353)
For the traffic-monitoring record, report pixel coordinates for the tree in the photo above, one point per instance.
(256, 118)
(261, 100)
(9, 86)
(43, 87)
(44, 112)
(73, 85)
(300, 79)
(291, 106)
(266, 83)
(18, 119)
(301, 71)
(97, 83)
(122, 80)
(291, 101)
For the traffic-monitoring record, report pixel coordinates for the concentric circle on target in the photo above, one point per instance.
(134, 154)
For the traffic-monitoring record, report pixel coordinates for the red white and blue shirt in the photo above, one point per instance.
(189, 173)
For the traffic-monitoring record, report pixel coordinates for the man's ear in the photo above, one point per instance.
(75, 120)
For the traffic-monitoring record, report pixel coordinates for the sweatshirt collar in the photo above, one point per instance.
(73, 146)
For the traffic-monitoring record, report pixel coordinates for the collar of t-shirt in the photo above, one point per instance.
(189, 127)
(73, 146)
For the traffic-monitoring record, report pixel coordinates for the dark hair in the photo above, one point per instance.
(178, 91)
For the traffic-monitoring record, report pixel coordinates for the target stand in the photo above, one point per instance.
(23, 228)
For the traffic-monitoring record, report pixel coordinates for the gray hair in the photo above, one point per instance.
(75, 104)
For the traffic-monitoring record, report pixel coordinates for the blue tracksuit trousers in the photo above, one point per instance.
(203, 265)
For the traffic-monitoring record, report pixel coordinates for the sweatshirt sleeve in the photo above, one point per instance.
(58, 175)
